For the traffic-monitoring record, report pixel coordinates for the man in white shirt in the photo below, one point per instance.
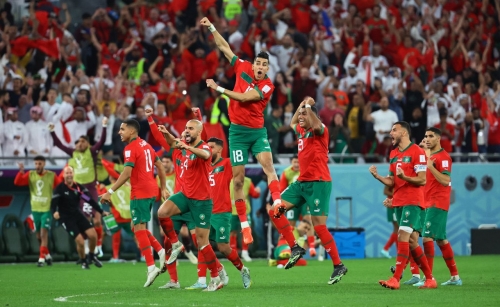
(152, 25)
(16, 136)
(284, 51)
(57, 114)
(235, 37)
(378, 61)
(347, 82)
(81, 123)
(39, 140)
(382, 119)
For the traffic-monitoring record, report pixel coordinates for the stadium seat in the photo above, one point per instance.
(14, 237)
(63, 243)
(34, 246)
(5, 258)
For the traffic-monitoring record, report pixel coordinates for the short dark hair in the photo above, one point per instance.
(263, 55)
(294, 157)
(217, 141)
(405, 126)
(167, 156)
(313, 108)
(39, 158)
(434, 130)
(133, 123)
(86, 15)
(85, 137)
(331, 95)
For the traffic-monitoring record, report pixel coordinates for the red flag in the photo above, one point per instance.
(66, 134)
(110, 168)
(368, 77)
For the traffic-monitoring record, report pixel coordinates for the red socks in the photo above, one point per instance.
(401, 258)
(171, 268)
(145, 245)
(168, 228)
(235, 259)
(449, 259)
(429, 253)
(311, 241)
(274, 188)
(283, 227)
(193, 237)
(116, 239)
(418, 255)
(98, 230)
(44, 250)
(154, 243)
(328, 243)
(210, 259)
(392, 239)
(233, 241)
(241, 209)
(202, 266)
(244, 247)
(413, 266)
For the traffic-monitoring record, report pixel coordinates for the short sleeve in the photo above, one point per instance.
(443, 165)
(206, 148)
(129, 156)
(420, 163)
(265, 89)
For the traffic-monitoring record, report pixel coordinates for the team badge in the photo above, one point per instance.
(316, 202)
(407, 213)
(222, 230)
(428, 224)
(202, 216)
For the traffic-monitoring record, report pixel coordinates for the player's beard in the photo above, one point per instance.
(397, 140)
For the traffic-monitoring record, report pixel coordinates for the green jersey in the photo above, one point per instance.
(41, 187)
(83, 164)
(121, 200)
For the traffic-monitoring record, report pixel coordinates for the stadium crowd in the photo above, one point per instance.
(367, 63)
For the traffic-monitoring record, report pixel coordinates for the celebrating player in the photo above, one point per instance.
(314, 185)
(84, 160)
(41, 182)
(408, 163)
(437, 197)
(248, 102)
(139, 168)
(220, 178)
(65, 206)
(289, 176)
(194, 197)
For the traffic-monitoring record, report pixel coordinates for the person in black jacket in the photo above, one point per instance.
(65, 207)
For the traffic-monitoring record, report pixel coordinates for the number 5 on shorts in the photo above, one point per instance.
(237, 156)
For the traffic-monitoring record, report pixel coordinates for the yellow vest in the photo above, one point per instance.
(246, 189)
(216, 113)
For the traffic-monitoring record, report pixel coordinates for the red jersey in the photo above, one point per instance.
(377, 29)
(193, 173)
(113, 60)
(249, 114)
(141, 156)
(413, 161)
(437, 195)
(177, 161)
(313, 155)
(220, 178)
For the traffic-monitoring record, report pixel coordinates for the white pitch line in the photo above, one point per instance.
(66, 299)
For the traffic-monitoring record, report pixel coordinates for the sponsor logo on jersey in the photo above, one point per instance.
(127, 153)
(444, 163)
(422, 158)
(266, 89)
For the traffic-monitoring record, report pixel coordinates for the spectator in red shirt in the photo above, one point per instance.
(378, 27)
(329, 110)
(179, 102)
(103, 25)
(447, 130)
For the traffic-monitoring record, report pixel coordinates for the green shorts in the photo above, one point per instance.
(42, 220)
(409, 216)
(201, 210)
(295, 213)
(141, 209)
(435, 224)
(242, 139)
(313, 194)
(185, 218)
(221, 227)
(391, 216)
(126, 227)
(236, 224)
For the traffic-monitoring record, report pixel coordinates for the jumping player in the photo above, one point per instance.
(248, 101)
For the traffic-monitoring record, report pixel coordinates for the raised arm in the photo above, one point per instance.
(155, 130)
(251, 95)
(97, 146)
(22, 178)
(57, 142)
(219, 40)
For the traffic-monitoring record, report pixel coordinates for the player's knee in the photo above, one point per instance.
(224, 248)
(79, 240)
(441, 242)
(97, 223)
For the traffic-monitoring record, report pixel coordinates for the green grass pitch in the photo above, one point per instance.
(67, 285)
